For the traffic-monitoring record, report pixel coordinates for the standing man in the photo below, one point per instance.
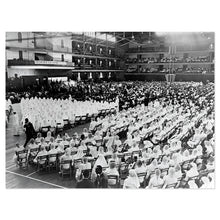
(29, 130)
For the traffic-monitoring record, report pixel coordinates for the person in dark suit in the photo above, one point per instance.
(101, 180)
(85, 182)
(29, 131)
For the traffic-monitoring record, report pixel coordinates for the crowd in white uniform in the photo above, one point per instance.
(48, 112)
(155, 135)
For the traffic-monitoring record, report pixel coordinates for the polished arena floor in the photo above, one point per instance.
(17, 178)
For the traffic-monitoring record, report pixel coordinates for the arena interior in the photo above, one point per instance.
(126, 110)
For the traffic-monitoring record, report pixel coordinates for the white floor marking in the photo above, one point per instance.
(28, 177)
(32, 173)
(10, 166)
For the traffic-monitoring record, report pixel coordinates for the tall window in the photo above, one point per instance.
(20, 55)
(19, 37)
(62, 44)
(62, 57)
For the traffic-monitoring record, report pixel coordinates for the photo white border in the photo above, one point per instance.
(99, 15)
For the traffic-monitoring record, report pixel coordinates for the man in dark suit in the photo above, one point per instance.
(29, 130)
(85, 182)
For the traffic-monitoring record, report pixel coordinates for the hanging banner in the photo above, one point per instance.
(79, 78)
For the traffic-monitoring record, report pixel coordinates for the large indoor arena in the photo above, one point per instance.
(129, 110)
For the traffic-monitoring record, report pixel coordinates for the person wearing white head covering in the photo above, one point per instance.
(178, 171)
(132, 182)
(112, 170)
(16, 124)
(156, 180)
(193, 171)
(208, 147)
(186, 155)
(192, 184)
(100, 161)
(170, 178)
(206, 184)
(165, 163)
(78, 155)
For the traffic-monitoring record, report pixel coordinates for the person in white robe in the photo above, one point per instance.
(132, 182)
(16, 124)
(155, 180)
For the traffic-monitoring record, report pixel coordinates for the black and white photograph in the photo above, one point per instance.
(110, 110)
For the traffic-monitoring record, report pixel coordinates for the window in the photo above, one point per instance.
(62, 44)
(19, 37)
(20, 55)
(62, 57)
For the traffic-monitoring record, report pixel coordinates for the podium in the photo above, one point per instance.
(170, 77)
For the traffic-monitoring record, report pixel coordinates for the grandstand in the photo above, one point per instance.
(110, 110)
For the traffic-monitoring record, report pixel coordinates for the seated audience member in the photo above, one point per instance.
(132, 181)
(78, 155)
(85, 164)
(66, 156)
(206, 183)
(85, 132)
(82, 146)
(156, 180)
(58, 139)
(112, 170)
(208, 147)
(192, 184)
(166, 150)
(140, 168)
(42, 152)
(165, 163)
(85, 182)
(170, 178)
(192, 171)
(38, 139)
(151, 168)
(116, 159)
(52, 151)
(185, 156)
(32, 145)
(90, 140)
(17, 149)
(47, 138)
(178, 171)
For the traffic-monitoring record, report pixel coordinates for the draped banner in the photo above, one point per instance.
(79, 78)
(170, 77)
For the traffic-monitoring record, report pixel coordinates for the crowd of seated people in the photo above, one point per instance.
(52, 112)
(168, 143)
(144, 69)
(169, 60)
